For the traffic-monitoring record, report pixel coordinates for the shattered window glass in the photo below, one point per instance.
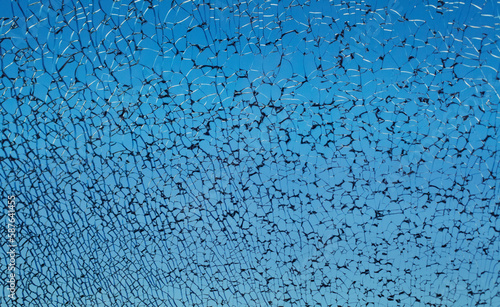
(257, 153)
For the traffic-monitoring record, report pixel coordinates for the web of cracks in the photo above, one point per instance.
(258, 153)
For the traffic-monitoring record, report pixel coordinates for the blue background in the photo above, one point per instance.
(291, 153)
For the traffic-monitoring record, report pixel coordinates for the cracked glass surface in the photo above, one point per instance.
(264, 153)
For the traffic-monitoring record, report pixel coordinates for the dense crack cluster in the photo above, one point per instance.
(262, 153)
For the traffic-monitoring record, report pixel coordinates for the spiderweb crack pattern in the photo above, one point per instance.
(281, 153)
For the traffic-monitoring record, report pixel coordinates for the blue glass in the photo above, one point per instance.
(263, 153)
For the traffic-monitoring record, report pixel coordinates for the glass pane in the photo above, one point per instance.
(260, 153)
